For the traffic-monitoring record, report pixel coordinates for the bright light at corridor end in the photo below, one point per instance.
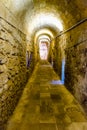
(43, 49)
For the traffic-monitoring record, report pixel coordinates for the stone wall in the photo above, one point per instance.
(12, 68)
(72, 46)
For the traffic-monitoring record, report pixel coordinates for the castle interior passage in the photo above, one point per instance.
(43, 65)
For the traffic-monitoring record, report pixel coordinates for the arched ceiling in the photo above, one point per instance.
(54, 15)
(43, 33)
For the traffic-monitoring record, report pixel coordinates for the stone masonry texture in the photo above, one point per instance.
(12, 68)
(72, 46)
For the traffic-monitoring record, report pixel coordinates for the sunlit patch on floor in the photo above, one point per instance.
(55, 82)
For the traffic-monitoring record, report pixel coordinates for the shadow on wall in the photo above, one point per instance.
(28, 58)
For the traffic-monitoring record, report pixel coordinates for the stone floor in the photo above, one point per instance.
(46, 106)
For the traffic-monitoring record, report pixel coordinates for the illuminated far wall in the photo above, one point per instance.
(43, 50)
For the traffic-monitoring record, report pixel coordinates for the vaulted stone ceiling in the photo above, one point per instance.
(33, 15)
(41, 20)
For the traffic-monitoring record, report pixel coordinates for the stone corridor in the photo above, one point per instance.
(47, 106)
(43, 64)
